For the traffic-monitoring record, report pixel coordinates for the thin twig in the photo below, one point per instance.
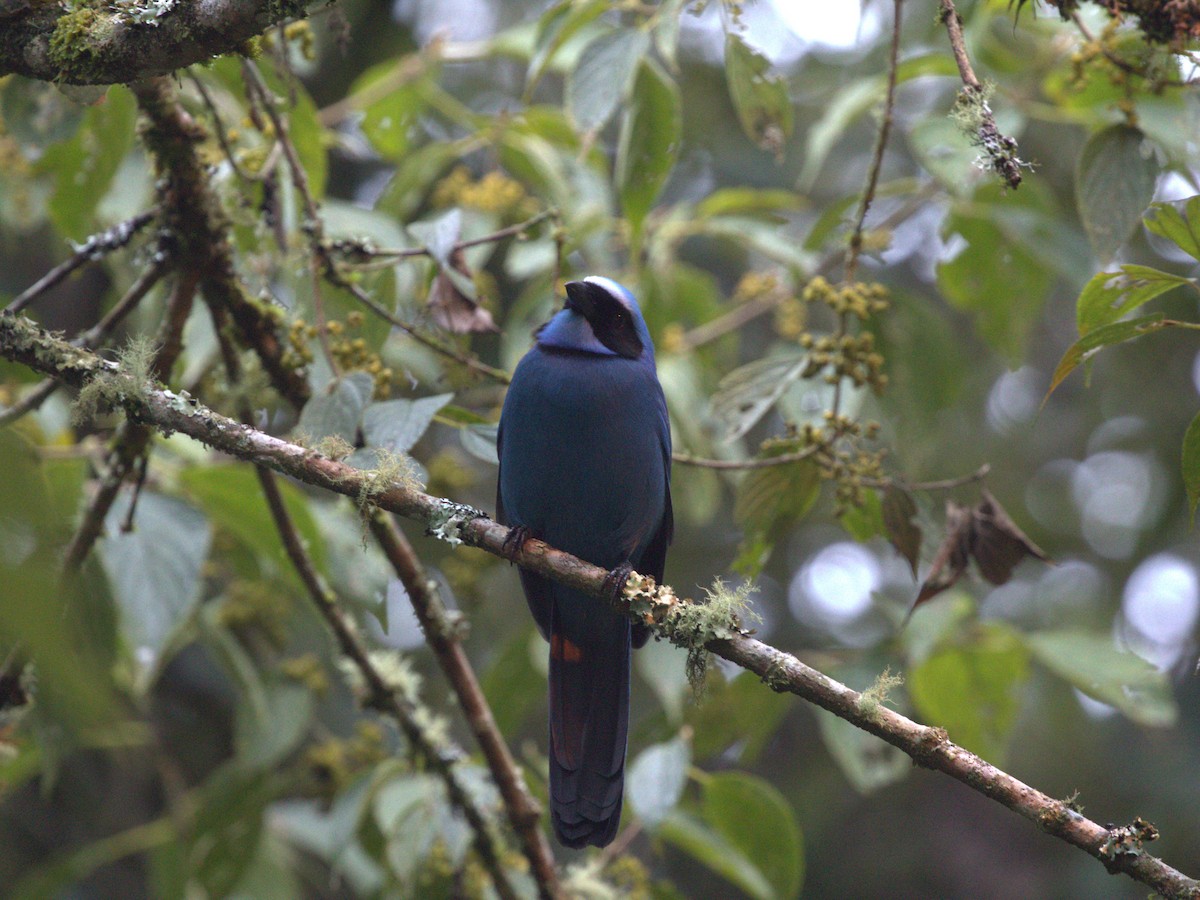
(381, 696)
(95, 247)
(313, 225)
(1125, 65)
(377, 257)
(443, 638)
(747, 312)
(469, 362)
(945, 484)
(219, 128)
(323, 263)
(92, 337)
(132, 438)
(195, 218)
(736, 465)
(1000, 149)
(885, 127)
(23, 342)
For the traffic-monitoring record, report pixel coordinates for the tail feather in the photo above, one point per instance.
(589, 725)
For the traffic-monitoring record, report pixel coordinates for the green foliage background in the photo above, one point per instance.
(192, 729)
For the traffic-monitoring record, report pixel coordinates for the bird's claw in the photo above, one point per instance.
(514, 541)
(614, 581)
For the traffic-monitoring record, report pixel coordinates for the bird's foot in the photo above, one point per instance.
(614, 581)
(517, 536)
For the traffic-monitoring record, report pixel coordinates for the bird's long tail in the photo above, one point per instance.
(589, 724)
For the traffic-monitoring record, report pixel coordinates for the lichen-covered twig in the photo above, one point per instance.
(443, 638)
(93, 336)
(132, 437)
(1000, 149)
(380, 695)
(23, 342)
(200, 230)
(95, 247)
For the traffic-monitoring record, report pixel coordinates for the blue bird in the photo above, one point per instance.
(585, 456)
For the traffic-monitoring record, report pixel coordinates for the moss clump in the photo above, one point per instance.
(873, 698)
(719, 617)
(79, 37)
(135, 362)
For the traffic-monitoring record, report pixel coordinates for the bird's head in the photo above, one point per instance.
(599, 316)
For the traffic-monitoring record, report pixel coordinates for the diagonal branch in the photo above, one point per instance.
(443, 638)
(1118, 849)
(380, 695)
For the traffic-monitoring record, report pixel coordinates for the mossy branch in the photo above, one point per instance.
(659, 606)
(112, 43)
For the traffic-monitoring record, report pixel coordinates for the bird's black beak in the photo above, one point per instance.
(579, 299)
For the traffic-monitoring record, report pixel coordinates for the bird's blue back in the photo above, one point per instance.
(585, 448)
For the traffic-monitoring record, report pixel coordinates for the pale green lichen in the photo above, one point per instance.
(873, 698)
(130, 378)
(690, 624)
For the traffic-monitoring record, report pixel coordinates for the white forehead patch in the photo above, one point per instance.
(616, 290)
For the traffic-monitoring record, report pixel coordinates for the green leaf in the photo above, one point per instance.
(154, 569)
(840, 111)
(868, 762)
(760, 99)
(649, 142)
(398, 424)
(1114, 183)
(232, 498)
(511, 683)
(480, 442)
(712, 849)
(999, 279)
(852, 101)
(557, 25)
(439, 235)
(754, 817)
(388, 121)
(1109, 296)
(747, 393)
(656, 780)
(771, 500)
(337, 408)
(765, 203)
(864, 522)
(263, 737)
(1104, 336)
(662, 666)
(1180, 228)
(1191, 464)
(972, 689)
(1092, 663)
(85, 165)
(736, 713)
(305, 129)
(604, 76)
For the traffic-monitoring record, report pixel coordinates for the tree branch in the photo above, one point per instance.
(1000, 149)
(381, 695)
(95, 247)
(1119, 849)
(98, 44)
(443, 638)
(195, 220)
